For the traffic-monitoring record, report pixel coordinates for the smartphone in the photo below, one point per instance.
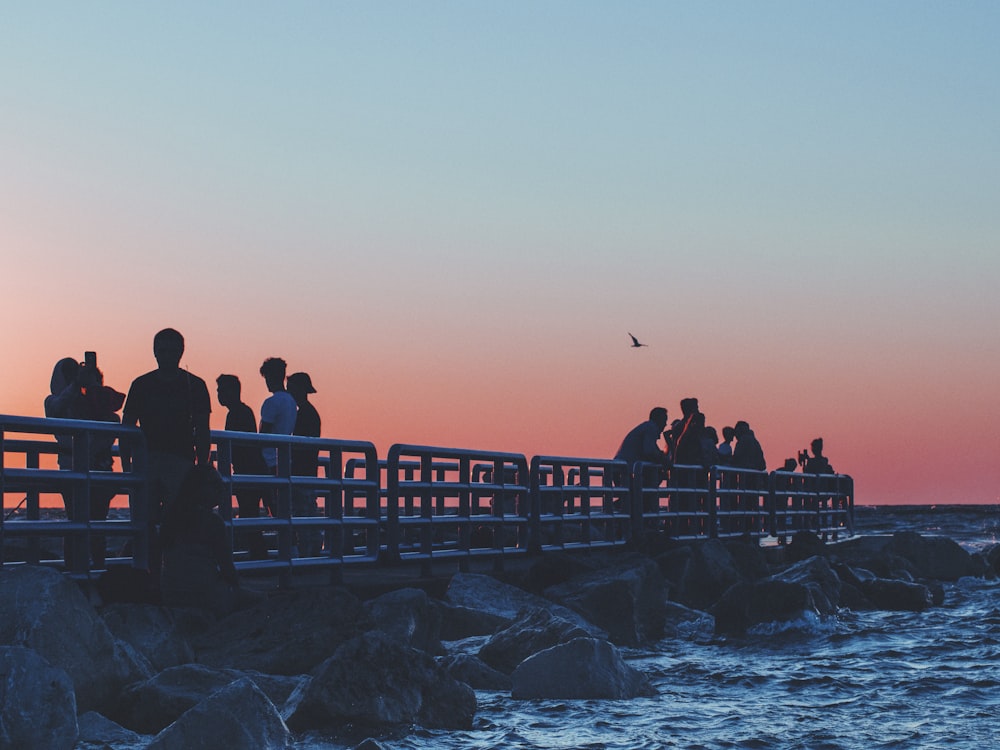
(90, 359)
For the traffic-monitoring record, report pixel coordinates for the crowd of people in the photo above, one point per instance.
(190, 554)
(689, 441)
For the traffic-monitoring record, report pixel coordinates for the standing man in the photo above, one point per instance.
(246, 459)
(305, 461)
(277, 416)
(171, 407)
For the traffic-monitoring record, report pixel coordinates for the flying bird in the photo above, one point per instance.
(635, 342)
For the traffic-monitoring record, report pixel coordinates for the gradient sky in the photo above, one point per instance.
(450, 213)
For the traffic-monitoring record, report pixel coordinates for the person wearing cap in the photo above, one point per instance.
(305, 461)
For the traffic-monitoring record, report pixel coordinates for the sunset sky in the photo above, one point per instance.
(451, 213)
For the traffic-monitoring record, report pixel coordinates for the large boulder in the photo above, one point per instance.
(37, 704)
(817, 574)
(97, 729)
(288, 634)
(155, 632)
(684, 622)
(487, 594)
(236, 717)
(474, 672)
(410, 617)
(459, 623)
(627, 599)
(935, 557)
(44, 610)
(148, 707)
(700, 573)
(583, 668)
(372, 680)
(532, 631)
(897, 595)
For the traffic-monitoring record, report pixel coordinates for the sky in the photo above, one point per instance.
(451, 214)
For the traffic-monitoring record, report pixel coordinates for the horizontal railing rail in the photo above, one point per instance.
(418, 505)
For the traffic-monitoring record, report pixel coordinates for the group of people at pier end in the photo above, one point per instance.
(689, 441)
(190, 554)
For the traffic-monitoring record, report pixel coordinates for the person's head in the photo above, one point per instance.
(273, 371)
(658, 416)
(817, 447)
(728, 434)
(790, 464)
(741, 428)
(168, 348)
(712, 434)
(689, 406)
(300, 386)
(63, 374)
(230, 390)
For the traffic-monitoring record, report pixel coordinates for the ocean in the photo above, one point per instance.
(859, 680)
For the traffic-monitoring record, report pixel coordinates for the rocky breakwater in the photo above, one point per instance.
(322, 660)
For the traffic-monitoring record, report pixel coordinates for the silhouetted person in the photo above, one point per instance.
(198, 568)
(278, 412)
(246, 459)
(817, 463)
(709, 446)
(640, 444)
(790, 464)
(77, 391)
(747, 454)
(687, 450)
(305, 461)
(726, 446)
(171, 407)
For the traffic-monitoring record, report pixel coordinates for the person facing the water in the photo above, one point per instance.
(305, 461)
(640, 444)
(747, 454)
(688, 450)
(817, 463)
(171, 407)
(726, 446)
(246, 459)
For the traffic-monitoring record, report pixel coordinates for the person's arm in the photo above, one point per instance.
(202, 438)
(650, 450)
(129, 419)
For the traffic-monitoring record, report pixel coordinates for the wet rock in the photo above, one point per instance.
(683, 622)
(148, 707)
(701, 573)
(816, 573)
(458, 623)
(154, 632)
(772, 600)
(486, 594)
(627, 599)
(372, 681)
(532, 631)
(475, 673)
(803, 545)
(44, 610)
(935, 557)
(236, 717)
(410, 617)
(288, 634)
(897, 595)
(37, 704)
(583, 668)
(96, 729)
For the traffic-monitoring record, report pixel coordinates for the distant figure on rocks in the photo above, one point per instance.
(246, 459)
(747, 454)
(198, 568)
(305, 461)
(171, 407)
(77, 391)
(726, 446)
(817, 463)
(640, 444)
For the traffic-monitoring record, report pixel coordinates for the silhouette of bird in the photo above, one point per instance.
(635, 342)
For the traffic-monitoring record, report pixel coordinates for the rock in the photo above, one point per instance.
(152, 631)
(369, 743)
(816, 573)
(751, 603)
(97, 729)
(683, 622)
(897, 595)
(700, 573)
(236, 717)
(459, 623)
(372, 681)
(532, 631)
(44, 610)
(475, 673)
(148, 707)
(37, 704)
(486, 594)
(627, 599)
(935, 557)
(805, 544)
(408, 616)
(583, 668)
(287, 634)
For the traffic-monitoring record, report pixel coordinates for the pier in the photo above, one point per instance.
(415, 506)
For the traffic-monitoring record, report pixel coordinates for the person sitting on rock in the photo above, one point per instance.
(198, 568)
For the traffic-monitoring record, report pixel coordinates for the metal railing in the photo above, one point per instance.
(419, 505)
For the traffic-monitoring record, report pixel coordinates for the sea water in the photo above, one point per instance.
(858, 680)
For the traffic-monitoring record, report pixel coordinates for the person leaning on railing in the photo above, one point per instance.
(641, 444)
